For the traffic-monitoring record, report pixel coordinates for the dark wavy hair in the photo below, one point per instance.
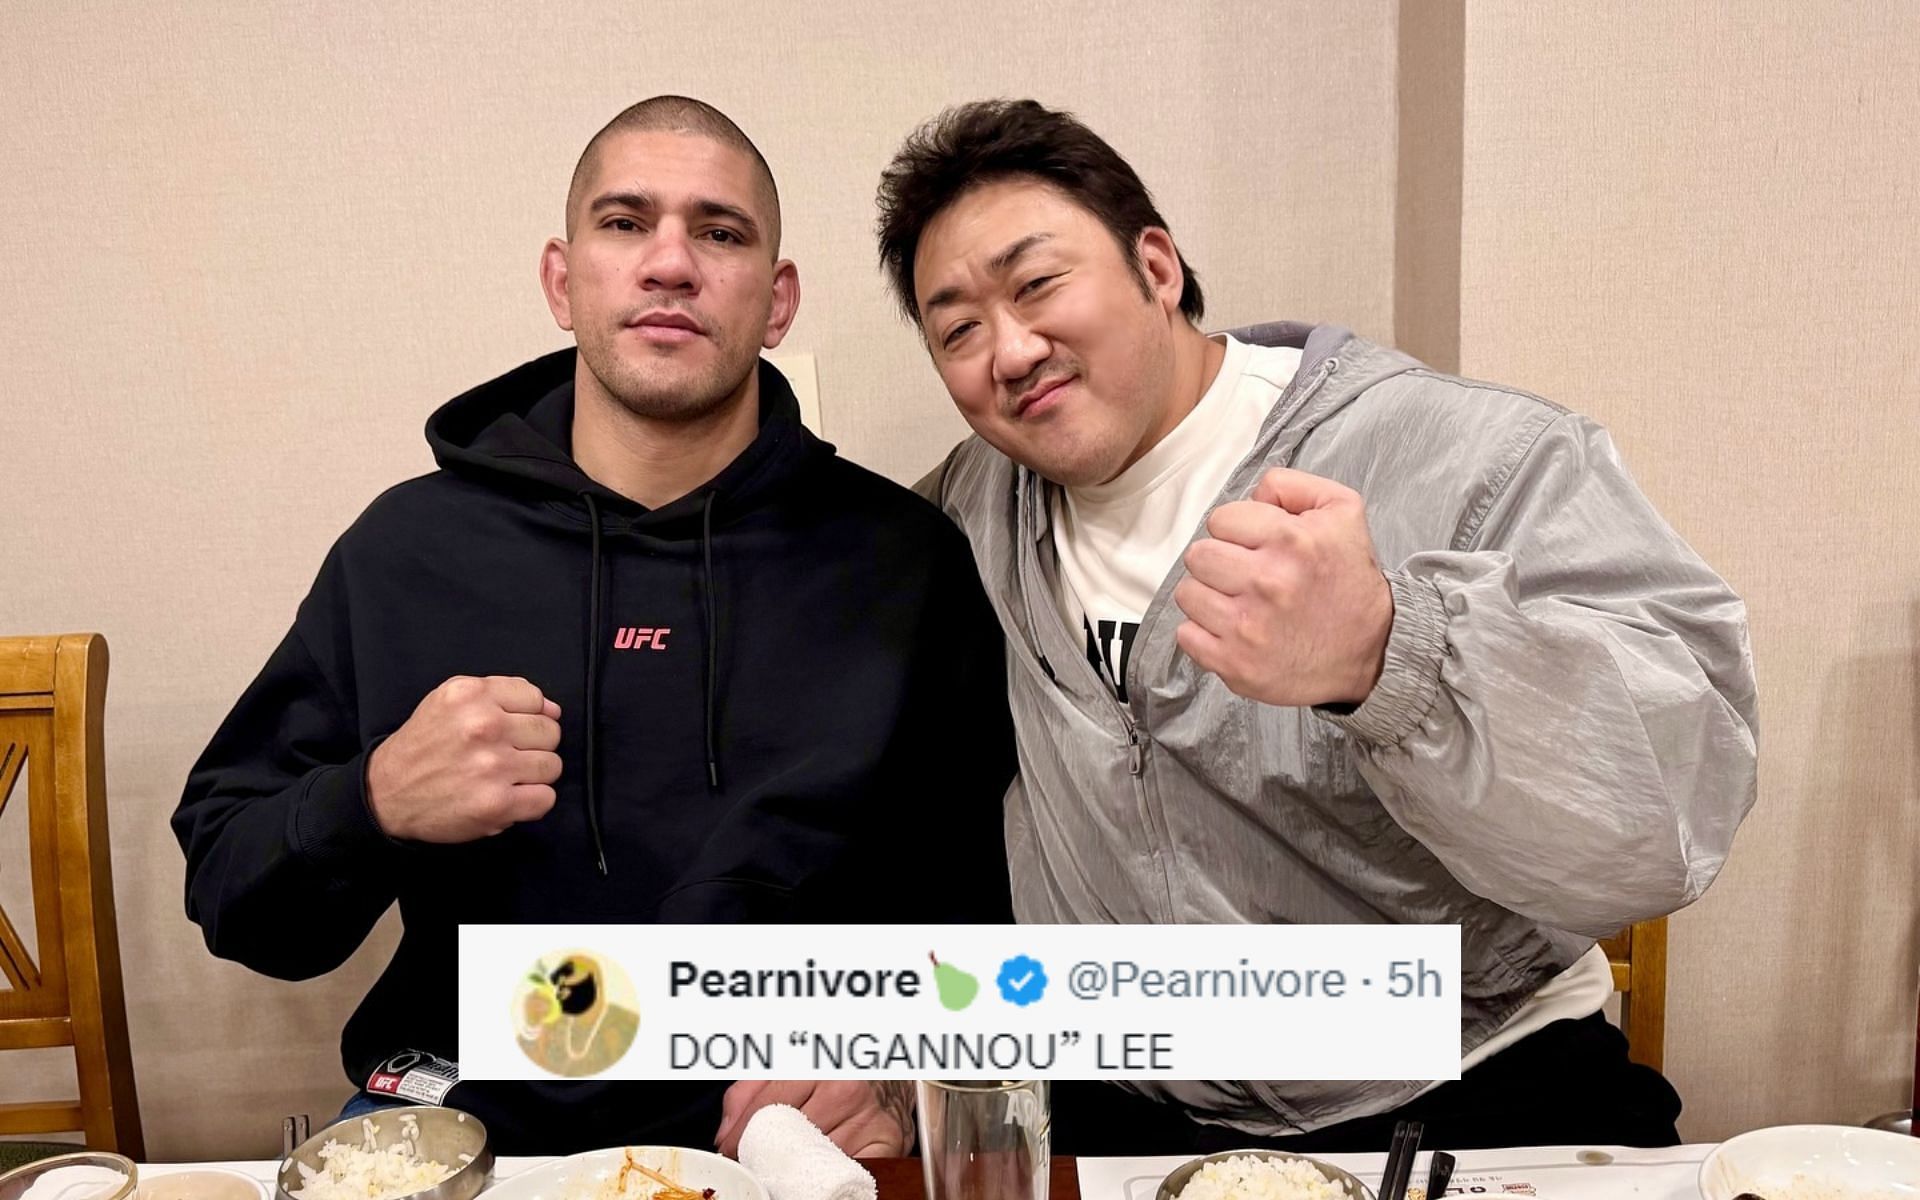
(988, 140)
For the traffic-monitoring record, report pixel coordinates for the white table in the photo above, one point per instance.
(1552, 1173)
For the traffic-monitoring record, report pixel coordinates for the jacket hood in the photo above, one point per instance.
(1359, 364)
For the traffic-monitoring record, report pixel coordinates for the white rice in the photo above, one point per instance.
(1244, 1177)
(350, 1172)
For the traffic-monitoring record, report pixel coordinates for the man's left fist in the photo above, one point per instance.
(1284, 600)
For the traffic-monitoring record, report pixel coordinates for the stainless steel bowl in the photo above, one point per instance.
(445, 1134)
(1180, 1175)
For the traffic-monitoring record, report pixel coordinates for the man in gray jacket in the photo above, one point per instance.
(1301, 630)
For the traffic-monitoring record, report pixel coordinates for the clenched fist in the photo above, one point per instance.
(476, 757)
(1284, 600)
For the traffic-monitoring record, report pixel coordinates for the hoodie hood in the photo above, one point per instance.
(516, 433)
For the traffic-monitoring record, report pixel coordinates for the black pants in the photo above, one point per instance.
(1569, 1084)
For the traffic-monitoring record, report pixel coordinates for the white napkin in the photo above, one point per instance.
(795, 1161)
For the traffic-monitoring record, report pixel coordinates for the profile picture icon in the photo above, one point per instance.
(575, 1013)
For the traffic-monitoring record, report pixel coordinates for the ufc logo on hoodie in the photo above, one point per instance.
(631, 637)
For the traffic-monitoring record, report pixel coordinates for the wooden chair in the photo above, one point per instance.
(53, 694)
(1638, 955)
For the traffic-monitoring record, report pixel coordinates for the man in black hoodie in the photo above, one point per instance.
(641, 650)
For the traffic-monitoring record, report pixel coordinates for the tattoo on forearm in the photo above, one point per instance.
(895, 1098)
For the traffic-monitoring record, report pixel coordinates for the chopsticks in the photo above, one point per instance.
(1400, 1158)
(1406, 1145)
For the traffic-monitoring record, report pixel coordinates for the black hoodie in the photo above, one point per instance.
(782, 699)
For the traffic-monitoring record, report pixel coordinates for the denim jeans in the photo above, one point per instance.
(366, 1102)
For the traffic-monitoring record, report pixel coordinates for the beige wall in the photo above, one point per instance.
(247, 253)
(249, 247)
(1426, 250)
(1697, 222)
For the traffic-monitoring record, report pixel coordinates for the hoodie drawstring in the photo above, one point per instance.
(708, 586)
(593, 687)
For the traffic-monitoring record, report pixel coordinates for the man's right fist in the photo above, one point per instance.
(475, 757)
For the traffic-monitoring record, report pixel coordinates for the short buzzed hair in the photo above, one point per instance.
(685, 115)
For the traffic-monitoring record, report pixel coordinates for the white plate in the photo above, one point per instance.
(1855, 1162)
(574, 1178)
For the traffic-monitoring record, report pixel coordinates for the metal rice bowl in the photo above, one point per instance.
(445, 1135)
(1181, 1175)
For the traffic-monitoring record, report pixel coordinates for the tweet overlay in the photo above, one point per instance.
(960, 1001)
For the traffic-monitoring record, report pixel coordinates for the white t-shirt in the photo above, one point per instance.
(1579, 991)
(1117, 542)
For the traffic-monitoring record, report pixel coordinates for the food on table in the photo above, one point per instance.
(205, 1183)
(362, 1172)
(1246, 1177)
(637, 1181)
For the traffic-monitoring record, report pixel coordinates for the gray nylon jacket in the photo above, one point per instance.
(1562, 742)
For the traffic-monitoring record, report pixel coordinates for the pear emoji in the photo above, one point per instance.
(957, 988)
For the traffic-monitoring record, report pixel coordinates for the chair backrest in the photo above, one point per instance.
(53, 694)
(1638, 955)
